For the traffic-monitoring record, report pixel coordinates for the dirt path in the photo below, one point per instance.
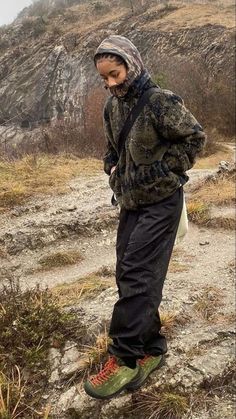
(84, 220)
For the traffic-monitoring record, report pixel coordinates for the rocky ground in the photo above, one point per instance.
(198, 297)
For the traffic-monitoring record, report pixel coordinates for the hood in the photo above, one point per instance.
(123, 47)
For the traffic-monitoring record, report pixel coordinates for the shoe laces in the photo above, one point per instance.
(109, 368)
(144, 360)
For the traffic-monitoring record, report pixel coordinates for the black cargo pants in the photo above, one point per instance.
(145, 241)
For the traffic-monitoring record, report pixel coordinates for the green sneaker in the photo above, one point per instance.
(114, 377)
(148, 364)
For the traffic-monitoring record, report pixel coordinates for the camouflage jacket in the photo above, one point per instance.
(165, 131)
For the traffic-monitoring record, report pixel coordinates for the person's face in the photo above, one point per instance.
(111, 72)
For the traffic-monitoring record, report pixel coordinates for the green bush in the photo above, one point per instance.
(30, 323)
(34, 321)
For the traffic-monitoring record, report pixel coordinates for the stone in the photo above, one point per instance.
(54, 358)
(83, 406)
(66, 399)
(69, 361)
(115, 408)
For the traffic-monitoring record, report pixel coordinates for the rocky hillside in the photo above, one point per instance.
(46, 59)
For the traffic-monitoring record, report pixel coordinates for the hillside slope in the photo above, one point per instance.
(47, 71)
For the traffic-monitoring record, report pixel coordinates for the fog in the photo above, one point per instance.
(10, 8)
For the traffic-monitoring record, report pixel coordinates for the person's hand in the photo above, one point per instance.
(112, 169)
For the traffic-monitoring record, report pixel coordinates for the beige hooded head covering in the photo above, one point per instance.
(124, 48)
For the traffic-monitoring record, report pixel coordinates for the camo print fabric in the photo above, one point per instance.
(161, 146)
(123, 47)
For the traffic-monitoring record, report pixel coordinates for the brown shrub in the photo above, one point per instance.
(81, 132)
(211, 98)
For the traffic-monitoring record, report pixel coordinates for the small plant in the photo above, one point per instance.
(207, 303)
(170, 321)
(165, 404)
(11, 394)
(198, 212)
(55, 260)
(94, 355)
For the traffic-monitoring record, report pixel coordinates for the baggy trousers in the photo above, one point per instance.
(145, 240)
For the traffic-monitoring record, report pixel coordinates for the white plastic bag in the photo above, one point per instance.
(183, 223)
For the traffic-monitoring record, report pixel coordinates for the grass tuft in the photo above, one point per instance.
(217, 192)
(206, 304)
(198, 212)
(85, 287)
(170, 321)
(58, 259)
(161, 404)
(95, 355)
(11, 394)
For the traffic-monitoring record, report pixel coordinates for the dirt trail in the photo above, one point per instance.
(82, 219)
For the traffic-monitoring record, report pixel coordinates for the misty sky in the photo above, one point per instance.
(10, 8)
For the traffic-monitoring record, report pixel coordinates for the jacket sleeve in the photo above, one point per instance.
(178, 126)
(110, 158)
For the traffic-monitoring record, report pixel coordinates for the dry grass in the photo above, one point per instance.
(94, 355)
(177, 266)
(161, 404)
(212, 161)
(59, 259)
(171, 320)
(219, 192)
(207, 303)
(11, 394)
(222, 222)
(86, 21)
(168, 321)
(86, 287)
(40, 174)
(227, 319)
(193, 15)
(194, 351)
(198, 212)
(206, 200)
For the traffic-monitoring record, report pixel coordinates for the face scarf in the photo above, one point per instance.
(123, 47)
